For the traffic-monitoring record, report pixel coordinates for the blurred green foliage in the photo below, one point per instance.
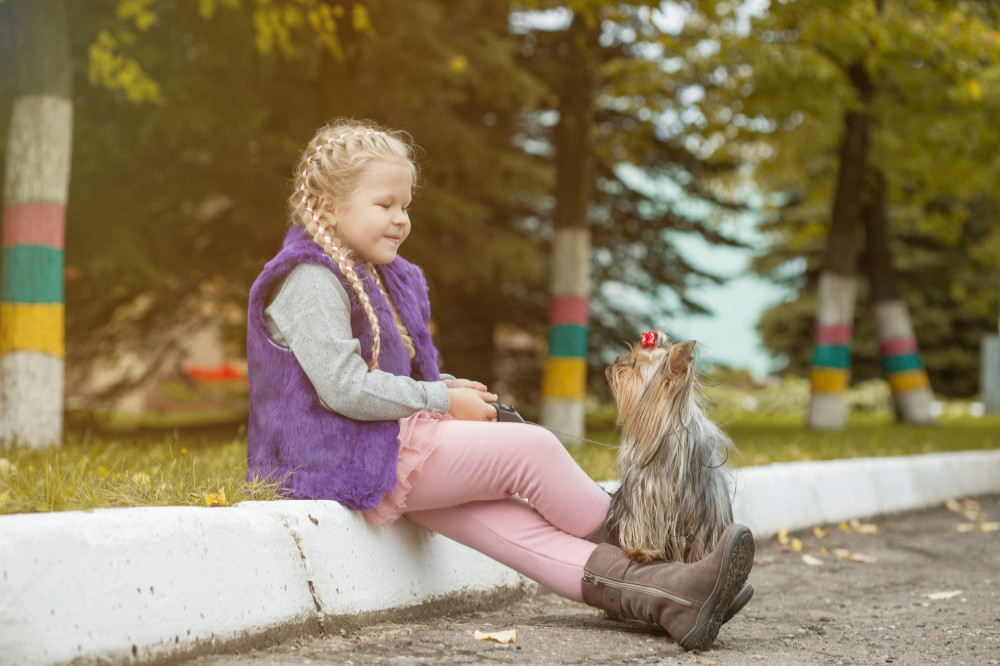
(695, 118)
(933, 67)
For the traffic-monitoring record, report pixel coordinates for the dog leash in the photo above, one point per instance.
(511, 415)
(566, 434)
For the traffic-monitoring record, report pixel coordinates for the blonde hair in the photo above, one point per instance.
(330, 168)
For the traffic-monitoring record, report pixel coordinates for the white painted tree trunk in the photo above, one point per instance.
(901, 362)
(831, 366)
(36, 185)
(565, 376)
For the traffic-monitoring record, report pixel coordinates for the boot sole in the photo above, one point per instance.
(739, 602)
(736, 563)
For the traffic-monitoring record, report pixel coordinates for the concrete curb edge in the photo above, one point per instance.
(147, 583)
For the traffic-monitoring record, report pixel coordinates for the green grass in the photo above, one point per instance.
(117, 469)
(90, 472)
(763, 439)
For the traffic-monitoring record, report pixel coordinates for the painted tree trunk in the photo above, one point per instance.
(34, 222)
(831, 362)
(901, 361)
(564, 379)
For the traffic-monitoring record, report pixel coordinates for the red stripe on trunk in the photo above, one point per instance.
(834, 334)
(34, 223)
(568, 310)
(898, 347)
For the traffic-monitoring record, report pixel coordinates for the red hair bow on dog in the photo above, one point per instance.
(649, 339)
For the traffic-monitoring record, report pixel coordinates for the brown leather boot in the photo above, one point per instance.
(688, 600)
(603, 534)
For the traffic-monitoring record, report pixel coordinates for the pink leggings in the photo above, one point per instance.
(466, 489)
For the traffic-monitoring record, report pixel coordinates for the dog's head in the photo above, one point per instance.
(654, 373)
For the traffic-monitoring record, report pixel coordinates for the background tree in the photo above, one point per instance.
(807, 69)
(37, 169)
(632, 173)
(36, 179)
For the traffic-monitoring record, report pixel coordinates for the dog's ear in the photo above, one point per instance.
(681, 357)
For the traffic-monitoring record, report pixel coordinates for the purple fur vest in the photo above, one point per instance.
(291, 437)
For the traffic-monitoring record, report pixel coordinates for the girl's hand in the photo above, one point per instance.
(471, 404)
(465, 383)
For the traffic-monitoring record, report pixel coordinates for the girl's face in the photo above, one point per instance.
(374, 221)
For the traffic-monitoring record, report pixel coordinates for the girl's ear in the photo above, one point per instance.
(326, 205)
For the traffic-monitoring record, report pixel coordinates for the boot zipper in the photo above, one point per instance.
(655, 591)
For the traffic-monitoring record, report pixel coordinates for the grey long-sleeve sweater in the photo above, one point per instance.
(310, 313)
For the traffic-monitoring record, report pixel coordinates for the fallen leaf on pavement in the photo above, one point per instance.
(819, 532)
(864, 528)
(989, 527)
(965, 527)
(941, 596)
(782, 536)
(953, 504)
(812, 561)
(507, 636)
(859, 557)
(847, 555)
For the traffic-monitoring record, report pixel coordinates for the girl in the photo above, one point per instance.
(347, 403)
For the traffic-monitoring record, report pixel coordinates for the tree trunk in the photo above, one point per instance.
(34, 224)
(831, 363)
(565, 375)
(901, 362)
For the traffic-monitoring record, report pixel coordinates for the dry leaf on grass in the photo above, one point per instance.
(506, 636)
(217, 498)
(812, 561)
(941, 596)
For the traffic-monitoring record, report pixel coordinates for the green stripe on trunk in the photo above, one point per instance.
(834, 356)
(901, 363)
(568, 340)
(32, 274)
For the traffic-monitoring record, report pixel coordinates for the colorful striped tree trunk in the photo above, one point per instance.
(34, 213)
(901, 363)
(564, 380)
(565, 376)
(831, 362)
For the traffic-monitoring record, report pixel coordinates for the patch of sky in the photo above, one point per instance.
(727, 335)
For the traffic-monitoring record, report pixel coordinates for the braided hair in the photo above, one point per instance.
(329, 169)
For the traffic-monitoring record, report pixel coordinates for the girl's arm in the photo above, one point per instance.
(310, 314)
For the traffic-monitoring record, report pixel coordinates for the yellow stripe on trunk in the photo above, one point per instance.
(32, 327)
(829, 381)
(564, 378)
(901, 382)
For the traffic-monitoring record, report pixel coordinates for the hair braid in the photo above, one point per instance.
(330, 167)
(400, 326)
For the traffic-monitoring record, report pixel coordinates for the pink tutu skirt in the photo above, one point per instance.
(416, 442)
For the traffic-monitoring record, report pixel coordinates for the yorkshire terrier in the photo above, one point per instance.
(674, 500)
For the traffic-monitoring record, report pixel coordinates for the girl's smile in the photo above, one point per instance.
(374, 222)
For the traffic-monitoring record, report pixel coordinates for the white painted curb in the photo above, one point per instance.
(137, 584)
(802, 494)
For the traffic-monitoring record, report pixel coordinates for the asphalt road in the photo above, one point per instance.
(910, 588)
